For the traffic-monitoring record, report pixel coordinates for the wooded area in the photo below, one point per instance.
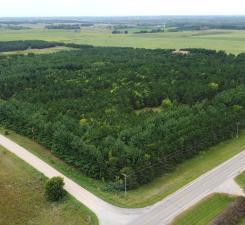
(7, 46)
(82, 105)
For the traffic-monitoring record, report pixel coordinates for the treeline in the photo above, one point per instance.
(23, 45)
(12, 27)
(119, 32)
(19, 21)
(204, 23)
(155, 30)
(63, 27)
(189, 27)
(6, 46)
(82, 105)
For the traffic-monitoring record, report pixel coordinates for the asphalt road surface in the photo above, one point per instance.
(166, 210)
(160, 213)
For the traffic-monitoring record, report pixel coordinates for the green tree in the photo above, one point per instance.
(54, 189)
(166, 103)
(213, 86)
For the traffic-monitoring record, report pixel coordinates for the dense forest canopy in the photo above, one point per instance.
(109, 111)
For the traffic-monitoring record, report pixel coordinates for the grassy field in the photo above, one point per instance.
(22, 199)
(242, 222)
(204, 211)
(38, 51)
(241, 179)
(154, 191)
(147, 109)
(228, 40)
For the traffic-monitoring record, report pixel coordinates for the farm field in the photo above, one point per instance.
(152, 192)
(23, 202)
(204, 211)
(231, 41)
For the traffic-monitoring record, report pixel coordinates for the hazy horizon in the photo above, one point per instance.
(125, 16)
(126, 8)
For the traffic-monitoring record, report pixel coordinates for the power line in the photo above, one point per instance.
(159, 161)
(163, 160)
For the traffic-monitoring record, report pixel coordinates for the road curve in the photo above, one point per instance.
(106, 213)
(160, 213)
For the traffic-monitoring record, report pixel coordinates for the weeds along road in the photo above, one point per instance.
(160, 213)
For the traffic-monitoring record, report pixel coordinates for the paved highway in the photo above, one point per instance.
(166, 210)
(160, 213)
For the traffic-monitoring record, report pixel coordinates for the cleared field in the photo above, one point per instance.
(154, 191)
(38, 51)
(230, 41)
(241, 179)
(205, 211)
(23, 202)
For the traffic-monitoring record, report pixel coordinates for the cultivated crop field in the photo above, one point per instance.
(231, 41)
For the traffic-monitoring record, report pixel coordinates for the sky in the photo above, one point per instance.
(47, 8)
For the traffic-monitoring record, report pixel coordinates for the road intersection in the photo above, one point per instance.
(160, 213)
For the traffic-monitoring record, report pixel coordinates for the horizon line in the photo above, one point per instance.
(116, 16)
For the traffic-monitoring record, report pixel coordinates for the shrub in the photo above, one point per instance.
(54, 189)
(166, 103)
(114, 187)
(233, 214)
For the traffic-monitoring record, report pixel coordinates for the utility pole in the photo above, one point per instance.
(237, 129)
(125, 184)
(32, 130)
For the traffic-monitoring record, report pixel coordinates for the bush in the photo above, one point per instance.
(233, 214)
(54, 189)
(166, 103)
(114, 187)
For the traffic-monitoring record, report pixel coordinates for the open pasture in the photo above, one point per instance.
(230, 41)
